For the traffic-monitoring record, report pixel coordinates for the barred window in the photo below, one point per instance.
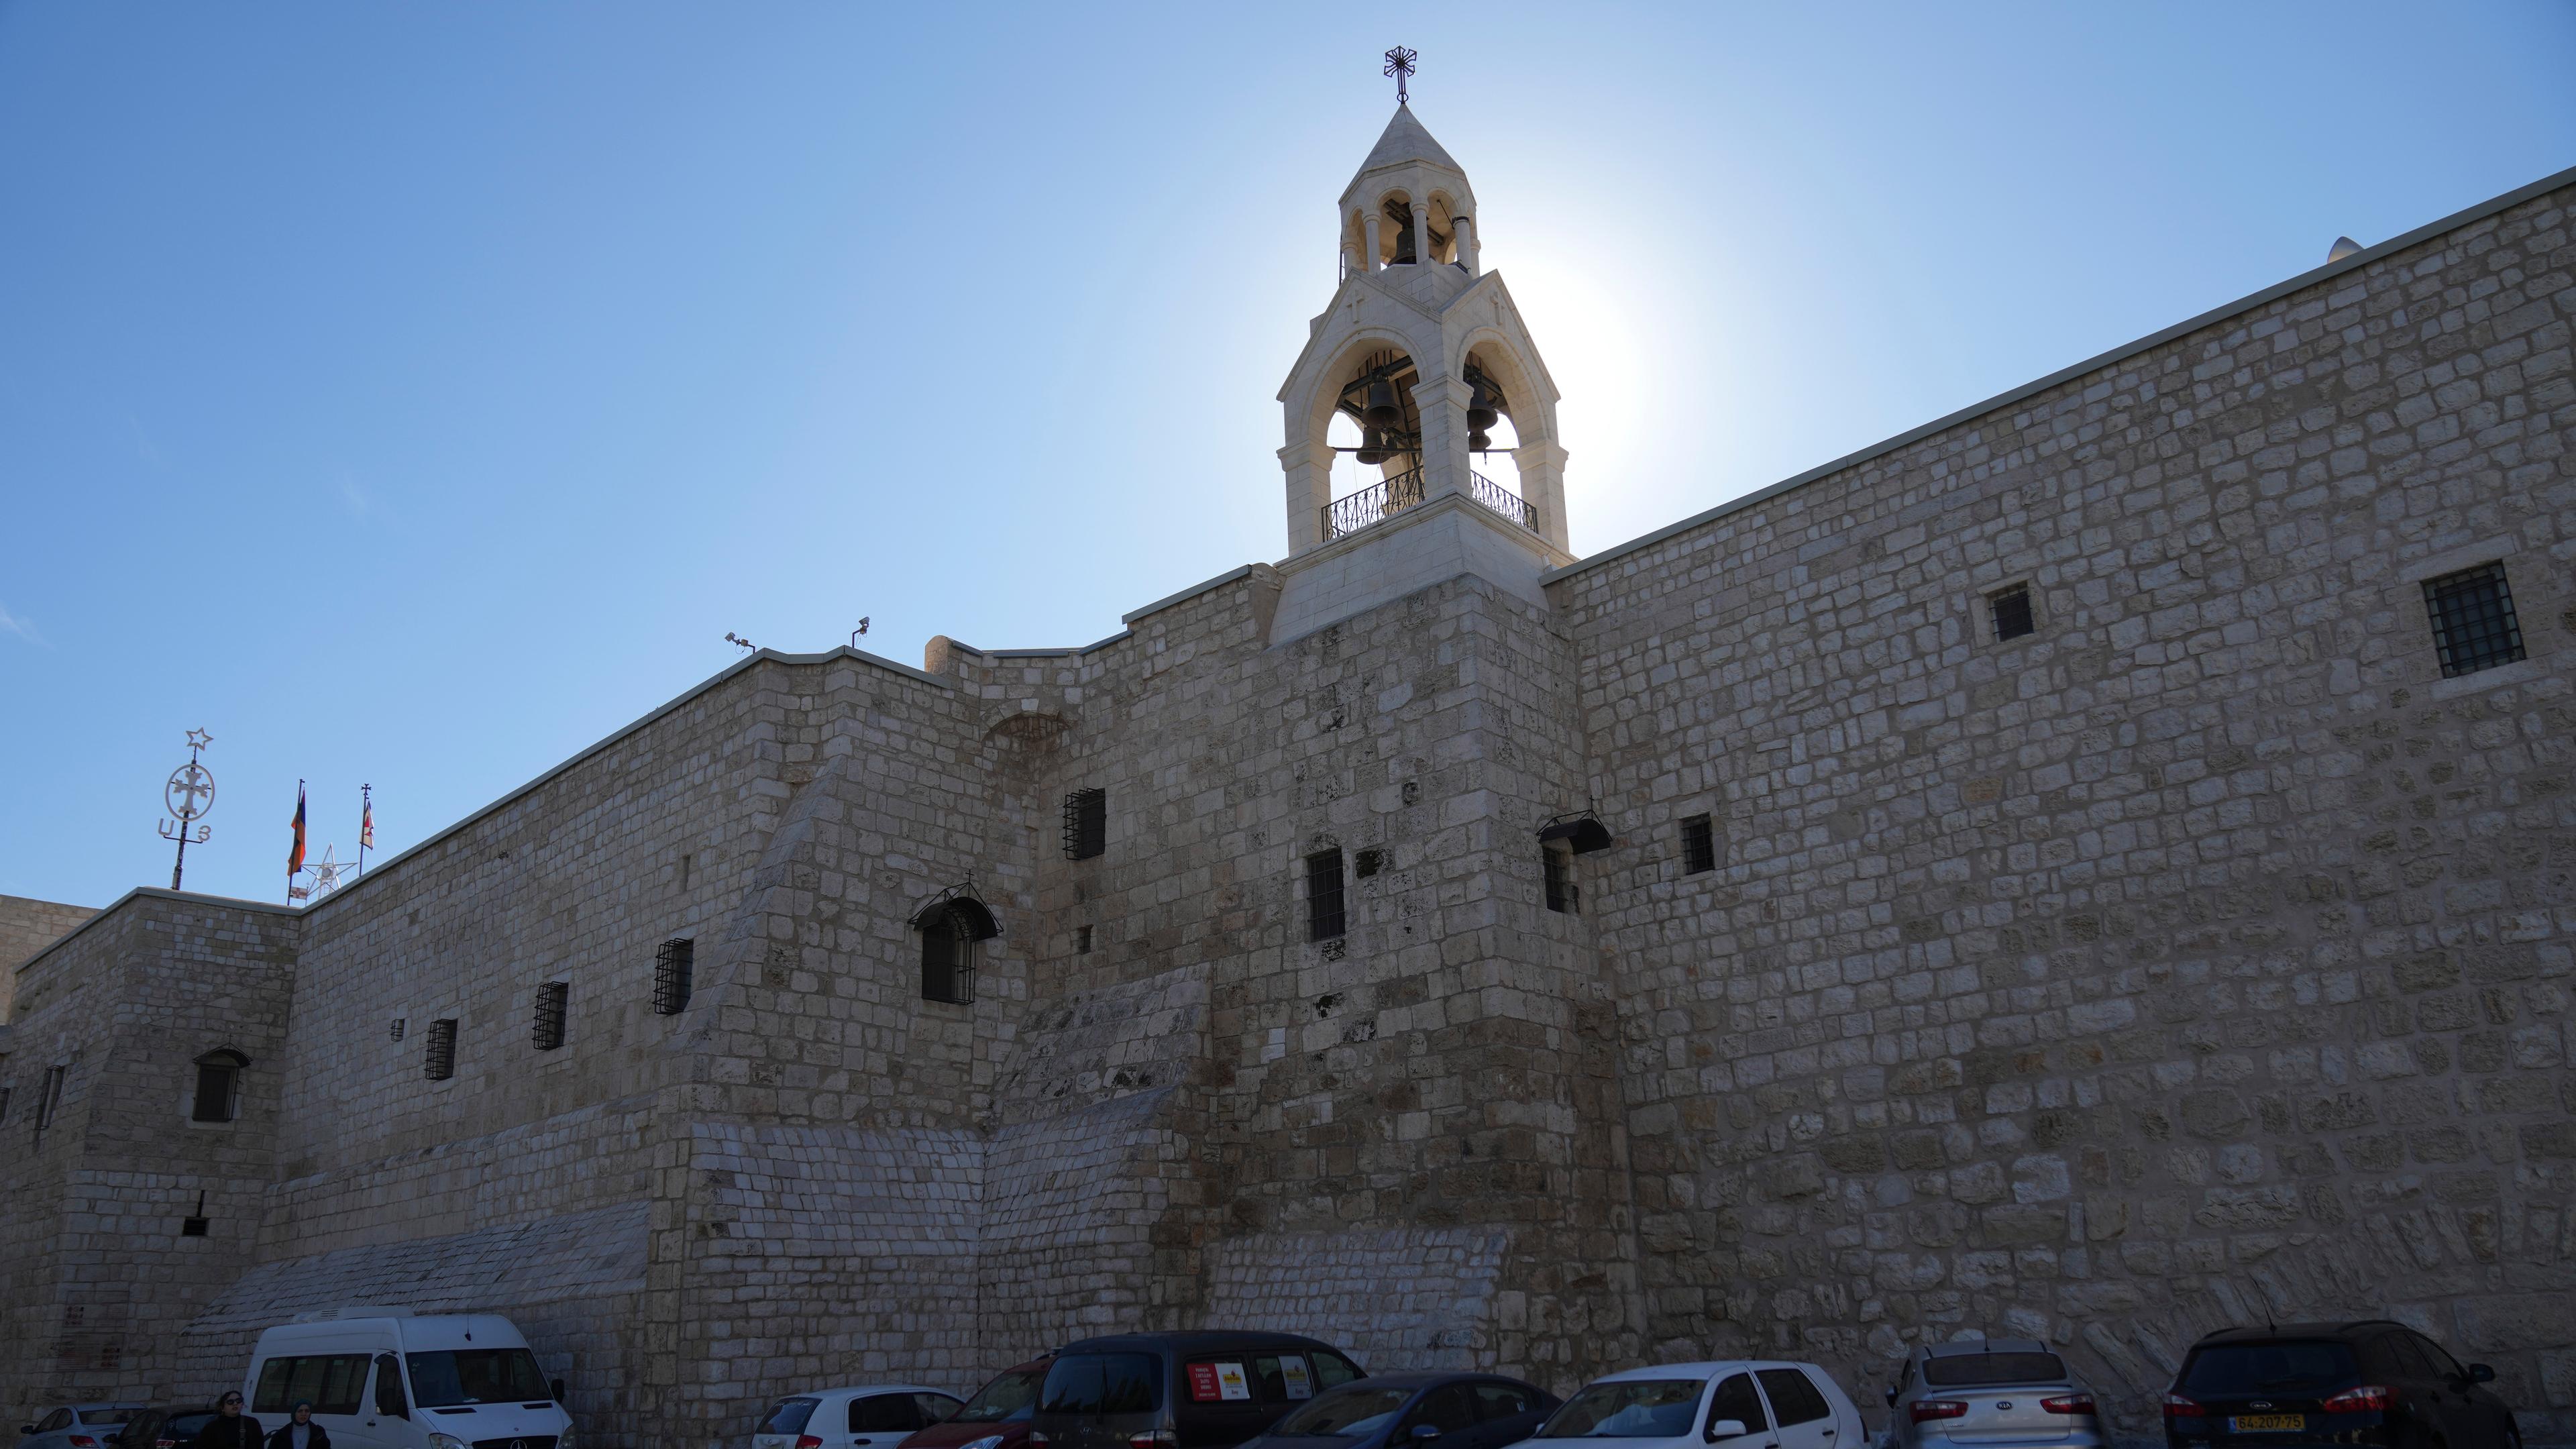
(2011, 607)
(1563, 896)
(1082, 940)
(439, 1062)
(218, 1095)
(1086, 824)
(1699, 845)
(2473, 623)
(675, 968)
(1324, 895)
(397, 1029)
(548, 1030)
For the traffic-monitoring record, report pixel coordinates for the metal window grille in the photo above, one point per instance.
(548, 1030)
(1324, 895)
(218, 1084)
(1562, 894)
(2473, 623)
(1699, 845)
(1082, 940)
(1086, 824)
(439, 1062)
(397, 1030)
(675, 969)
(49, 1099)
(2012, 612)
(947, 962)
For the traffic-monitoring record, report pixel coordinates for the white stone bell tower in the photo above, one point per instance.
(1423, 360)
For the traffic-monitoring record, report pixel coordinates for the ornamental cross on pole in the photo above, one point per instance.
(1399, 64)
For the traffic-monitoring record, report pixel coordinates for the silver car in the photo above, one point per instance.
(1993, 1393)
(77, 1426)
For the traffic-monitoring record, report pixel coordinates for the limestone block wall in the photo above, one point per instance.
(26, 927)
(96, 1273)
(2203, 955)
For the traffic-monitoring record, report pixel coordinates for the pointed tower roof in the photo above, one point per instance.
(1404, 143)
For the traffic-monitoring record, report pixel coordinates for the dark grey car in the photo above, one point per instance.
(1989, 1393)
(1202, 1390)
(1444, 1410)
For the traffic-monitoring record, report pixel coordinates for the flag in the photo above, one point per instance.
(295, 854)
(366, 823)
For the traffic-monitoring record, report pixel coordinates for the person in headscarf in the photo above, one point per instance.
(231, 1429)
(300, 1432)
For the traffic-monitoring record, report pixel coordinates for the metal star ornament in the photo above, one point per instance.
(199, 739)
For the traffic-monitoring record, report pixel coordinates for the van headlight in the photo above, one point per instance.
(564, 1439)
(989, 1441)
(446, 1441)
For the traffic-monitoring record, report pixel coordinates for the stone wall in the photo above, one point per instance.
(27, 927)
(2204, 955)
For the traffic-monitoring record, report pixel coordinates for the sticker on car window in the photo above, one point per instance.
(1203, 1386)
(1292, 1372)
(1231, 1383)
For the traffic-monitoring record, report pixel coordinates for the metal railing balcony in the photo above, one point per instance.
(1380, 502)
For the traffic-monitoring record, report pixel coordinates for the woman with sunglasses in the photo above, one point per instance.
(232, 1429)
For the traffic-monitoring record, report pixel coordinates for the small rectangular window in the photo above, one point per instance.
(397, 1030)
(439, 1062)
(4, 1103)
(947, 962)
(1699, 845)
(2473, 623)
(1562, 894)
(49, 1100)
(548, 1031)
(218, 1083)
(2011, 608)
(1082, 940)
(675, 968)
(1086, 824)
(1324, 895)
(688, 871)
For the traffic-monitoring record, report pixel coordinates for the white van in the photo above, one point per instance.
(384, 1378)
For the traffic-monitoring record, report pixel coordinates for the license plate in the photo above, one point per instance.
(2265, 1423)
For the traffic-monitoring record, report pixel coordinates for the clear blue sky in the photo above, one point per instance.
(415, 394)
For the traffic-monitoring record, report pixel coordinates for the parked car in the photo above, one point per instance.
(882, 1415)
(2370, 1382)
(1692, 1405)
(1989, 1391)
(77, 1426)
(387, 1378)
(1396, 1411)
(162, 1428)
(1203, 1390)
(997, 1417)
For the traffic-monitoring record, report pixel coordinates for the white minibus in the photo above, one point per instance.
(386, 1378)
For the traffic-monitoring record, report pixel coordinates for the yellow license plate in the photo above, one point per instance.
(2258, 1423)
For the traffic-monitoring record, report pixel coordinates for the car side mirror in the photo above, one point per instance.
(558, 1386)
(1726, 1429)
(2481, 1374)
(1423, 1433)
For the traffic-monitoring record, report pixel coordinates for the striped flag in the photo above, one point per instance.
(295, 854)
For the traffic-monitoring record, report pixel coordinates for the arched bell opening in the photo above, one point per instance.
(1493, 434)
(1400, 242)
(1375, 431)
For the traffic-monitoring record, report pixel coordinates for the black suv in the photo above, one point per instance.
(1205, 1390)
(2372, 1383)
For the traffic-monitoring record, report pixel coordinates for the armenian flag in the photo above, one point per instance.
(367, 824)
(295, 854)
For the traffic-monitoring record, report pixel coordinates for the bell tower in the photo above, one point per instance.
(1419, 393)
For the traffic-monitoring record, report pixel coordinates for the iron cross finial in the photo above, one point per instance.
(1399, 64)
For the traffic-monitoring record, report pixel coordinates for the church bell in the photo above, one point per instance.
(1480, 410)
(1372, 450)
(1382, 411)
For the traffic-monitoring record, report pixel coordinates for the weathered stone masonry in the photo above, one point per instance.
(2202, 954)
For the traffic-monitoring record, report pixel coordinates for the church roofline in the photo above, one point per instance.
(2185, 328)
(155, 893)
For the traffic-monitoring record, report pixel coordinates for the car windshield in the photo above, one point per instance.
(2259, 1368)
(1344, 1413)
(1012, 1396)
(787, 1416)
(1103, 1383)
(1629, 1409)
(476, 1376)
(1968, 1370)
